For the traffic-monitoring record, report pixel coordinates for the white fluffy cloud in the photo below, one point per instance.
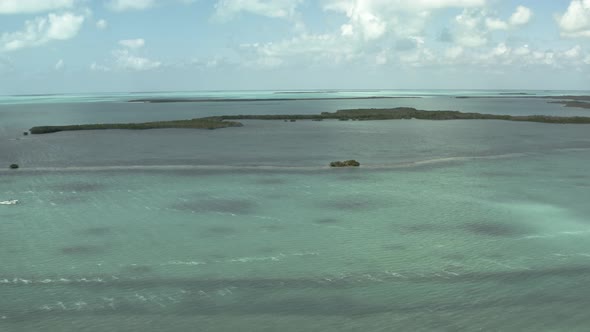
(227, 9)
(128, 61)
(471, 31)
(102, 24)
(496, 24)
(575, 22)
(521, 16)
(132, 43)
(373, 19)
(127, 58)
(42, 30)
(475, 25)
(33, 6)
(276, 8)
(123, 5)
(101, 68)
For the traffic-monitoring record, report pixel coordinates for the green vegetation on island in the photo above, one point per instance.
(572, 103)
(205, 123)
(399, 113)
(566, 100)
(346, 163)
(402, 113)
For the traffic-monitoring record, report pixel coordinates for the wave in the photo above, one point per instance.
(554, 235)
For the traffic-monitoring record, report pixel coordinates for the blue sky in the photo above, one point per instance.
(57, 46)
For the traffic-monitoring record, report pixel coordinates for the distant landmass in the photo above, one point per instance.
(399, 113)
(209, 100)
(567, 101)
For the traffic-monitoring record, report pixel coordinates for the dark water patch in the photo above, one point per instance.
(222, 230)
(455, 257)
(272, 228)
(327, 282)
(395, 247)
(352, 178)
(217, 256)
(421, 228)
(267, 250)
(84, 187)
(306, 306)
(96, 231)
(354, 203)
(232, 206)
(83, 250)
(69, 198)
(347, 307)
(327, 221)
(494, 256)
(495, 229)
(481, 288)
(137, 269)
(270, 181)
(497, 174)
(578, 177)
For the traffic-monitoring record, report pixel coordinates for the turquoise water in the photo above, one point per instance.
(452, 225)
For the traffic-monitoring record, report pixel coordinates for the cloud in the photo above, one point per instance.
(454, 52)
(521, 16)
(370, 25)
(59, 65)
(42, 30)
(124, 5)
(474, 25)
(375, 19)
(127, 58)
(227, 9)
(128, 61)
(33, 6)
(496, 24)
(381, 58)
(471, 31)
(308, 49)
(575, 22)
(101, 24)
(132, 43)
(96, 67)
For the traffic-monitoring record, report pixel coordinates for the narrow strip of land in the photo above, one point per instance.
(212, 100)
(399, 113)
(205, 123)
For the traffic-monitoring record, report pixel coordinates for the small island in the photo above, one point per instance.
(566, 100)
(346, 163)
(572, 101)
(400, 113)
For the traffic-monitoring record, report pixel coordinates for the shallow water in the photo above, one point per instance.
(446, 226)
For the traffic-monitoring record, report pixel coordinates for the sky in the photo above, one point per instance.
(81, 46)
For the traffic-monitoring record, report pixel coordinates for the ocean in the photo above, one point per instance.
(446, 226)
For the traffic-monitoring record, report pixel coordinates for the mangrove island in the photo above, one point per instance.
(400, 113)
